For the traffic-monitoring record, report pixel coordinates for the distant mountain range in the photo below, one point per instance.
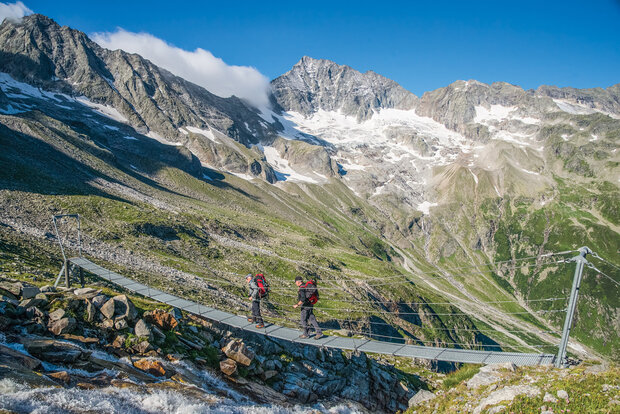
(349, 172)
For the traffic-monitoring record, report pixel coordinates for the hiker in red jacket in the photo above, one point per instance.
(307, 296)
(258, 290)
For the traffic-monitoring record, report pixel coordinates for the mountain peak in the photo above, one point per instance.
(320, 84)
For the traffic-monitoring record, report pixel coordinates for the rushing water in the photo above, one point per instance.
(21, 398)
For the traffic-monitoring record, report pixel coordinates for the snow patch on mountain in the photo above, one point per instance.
(281, 167)
(207, 133)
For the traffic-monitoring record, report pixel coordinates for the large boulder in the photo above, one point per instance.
(151, 366)
(238, 351)
(11, 357)
(161, 319)
(420, 397)
(53, 351)
(63, 326)
(142, 330)
(507, 394)
(228, 366)
(119, 307)
(56, 315)
(30, 292)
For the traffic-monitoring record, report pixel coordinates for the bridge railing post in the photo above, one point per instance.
(67, 274)
(580, 260)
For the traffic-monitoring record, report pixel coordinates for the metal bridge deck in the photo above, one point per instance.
(292, 335)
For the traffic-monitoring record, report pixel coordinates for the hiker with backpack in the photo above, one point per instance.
(259, 288)
(308, 296)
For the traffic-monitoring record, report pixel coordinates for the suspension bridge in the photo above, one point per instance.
(362, 344)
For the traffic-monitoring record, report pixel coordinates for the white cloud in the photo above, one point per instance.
(199, 66)
(13, 11)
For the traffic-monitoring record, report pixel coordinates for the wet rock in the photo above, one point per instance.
(161, 319)
(62, 376)
(86, 386)
(53, 351)
(420, 397)
(228, 366)
(5, 323)
(142, 330)
(79, 338)
(152, 367)
(266, 375)
(13, 358)
(63, 326)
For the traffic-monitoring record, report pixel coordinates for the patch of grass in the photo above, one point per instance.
(463, 374)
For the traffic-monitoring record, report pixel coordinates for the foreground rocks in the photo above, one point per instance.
(65, 326)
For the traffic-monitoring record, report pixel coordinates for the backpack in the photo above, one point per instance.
(312, 292)
(263, 286)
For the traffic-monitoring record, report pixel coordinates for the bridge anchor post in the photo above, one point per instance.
(560, 360)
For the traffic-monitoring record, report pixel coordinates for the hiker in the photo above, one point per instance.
(307, 296)
(258, 290)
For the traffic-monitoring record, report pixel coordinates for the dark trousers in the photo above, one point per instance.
(256, 316)
(307, 316)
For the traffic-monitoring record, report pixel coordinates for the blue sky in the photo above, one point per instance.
(421, 45)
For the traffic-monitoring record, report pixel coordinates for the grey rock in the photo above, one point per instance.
(108, 309)
(549, 398)
(53, 351)
(121, 324)
(562, 394)
(63, 326)
(496, 409)
(238, 351)
(176, 313)
(420, 397)
(29, 292)
(142, 330)
(228, 366)
(482, 379)
(56, 315)
(91, 311)
(507, 394)
(99, 301)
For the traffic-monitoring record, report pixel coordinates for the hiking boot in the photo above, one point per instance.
(304, 336)
(319, 335)
(260, 325)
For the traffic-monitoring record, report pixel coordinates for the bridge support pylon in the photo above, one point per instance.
(580, 260)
